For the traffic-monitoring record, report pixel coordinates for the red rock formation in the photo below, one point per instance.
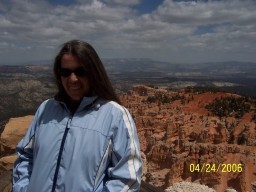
(12, 134)
(181, 136)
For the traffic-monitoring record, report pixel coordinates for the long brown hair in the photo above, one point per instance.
(98, 78)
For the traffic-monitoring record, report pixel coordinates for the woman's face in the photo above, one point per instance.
(73, 78)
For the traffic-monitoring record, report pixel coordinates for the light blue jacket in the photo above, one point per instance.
(95, 149)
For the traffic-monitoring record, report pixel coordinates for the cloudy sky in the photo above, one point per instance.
(166, 30)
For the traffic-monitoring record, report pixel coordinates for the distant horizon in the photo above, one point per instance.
(48, 61)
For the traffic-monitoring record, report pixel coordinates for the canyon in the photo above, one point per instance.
(180, 134)
(181, 139)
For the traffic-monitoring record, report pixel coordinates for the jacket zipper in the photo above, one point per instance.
(55, 178)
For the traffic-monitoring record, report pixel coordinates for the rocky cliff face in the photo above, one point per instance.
(12, 134)
(181, 140)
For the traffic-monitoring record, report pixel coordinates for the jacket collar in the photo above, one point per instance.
(86, 103)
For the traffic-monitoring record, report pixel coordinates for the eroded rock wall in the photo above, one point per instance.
(182, 141)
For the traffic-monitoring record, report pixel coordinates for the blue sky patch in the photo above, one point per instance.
(62, 2)
(147, 6)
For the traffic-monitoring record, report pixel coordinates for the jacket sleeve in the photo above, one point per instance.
(24, 163)
(126, 166)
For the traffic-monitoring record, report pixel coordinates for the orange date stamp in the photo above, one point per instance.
(214, 168)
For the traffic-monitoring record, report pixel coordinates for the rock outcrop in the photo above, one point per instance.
(187, 186)
(12, 134)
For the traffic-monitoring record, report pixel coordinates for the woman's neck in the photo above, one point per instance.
(73, 105)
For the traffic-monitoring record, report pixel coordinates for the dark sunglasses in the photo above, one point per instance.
(80, 72)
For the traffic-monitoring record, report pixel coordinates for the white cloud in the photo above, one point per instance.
(179, 32)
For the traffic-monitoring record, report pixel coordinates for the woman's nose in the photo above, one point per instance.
(73, 77)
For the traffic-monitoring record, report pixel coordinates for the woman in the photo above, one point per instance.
(83, 140)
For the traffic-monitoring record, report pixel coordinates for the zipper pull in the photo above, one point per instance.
(69, 120)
